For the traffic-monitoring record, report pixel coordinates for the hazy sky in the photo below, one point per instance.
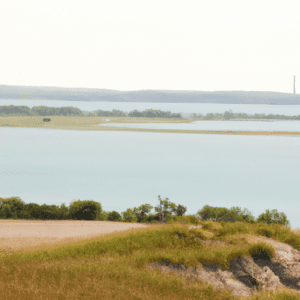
(204, 45)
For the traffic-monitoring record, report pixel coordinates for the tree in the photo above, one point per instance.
(228, 115)
(64, 211)
(140, 214)
(165, 207)
(34, 210)
(85, 210)
(213, 213)
(159, 209)
(129, 216)
(17, 205)
(218, 214)
(197, 116)
(236, 214)
(103, 216)
(273, 217)
(141, 211)
(209, 116)
(149, 114)
(118, 113)
(5, 211)
(114, 216)
(159, 113)
(180, 210)
(48, 212)
(135, 113)
(259, 116)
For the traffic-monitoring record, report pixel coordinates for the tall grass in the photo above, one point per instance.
(114, 266)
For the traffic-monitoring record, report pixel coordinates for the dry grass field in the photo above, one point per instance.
(106, 260)
(28, 235)
(86, 123)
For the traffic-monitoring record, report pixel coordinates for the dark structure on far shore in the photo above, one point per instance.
(150, 96)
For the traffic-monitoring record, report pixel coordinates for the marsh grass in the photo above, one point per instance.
(77, 122)
(87, 123)
(113, 266)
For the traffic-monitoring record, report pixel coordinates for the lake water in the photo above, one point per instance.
(127, 169)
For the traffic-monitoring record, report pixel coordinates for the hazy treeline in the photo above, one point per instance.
(149, 113)
(15, 208)
(39, 111)
(12, 110)
(146, 96)
(72, 111)
(230, 115)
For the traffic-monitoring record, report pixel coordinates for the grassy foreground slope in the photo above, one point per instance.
(113, 266)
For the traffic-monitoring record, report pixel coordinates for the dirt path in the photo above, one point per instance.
(18, 235)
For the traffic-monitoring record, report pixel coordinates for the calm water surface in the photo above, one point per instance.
(127, 169)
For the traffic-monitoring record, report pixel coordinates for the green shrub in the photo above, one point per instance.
(5, 211)
(168, 218)
(129, 216)
(114, 216)
(152, 218)
(34, 210)
(223, 223)
(192, 219)
(265, 231)
(16, 206)
(239, 240)
(178, 218)
(25, 215)
(140, 219)
(273, 217)
(48, 215)
(231, 228)
(261, 251)
(103, 216)
(85, 210)
(208, 225)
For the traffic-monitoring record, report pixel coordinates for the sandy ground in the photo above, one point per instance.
(18, 235)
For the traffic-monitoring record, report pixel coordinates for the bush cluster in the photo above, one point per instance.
(166, 211)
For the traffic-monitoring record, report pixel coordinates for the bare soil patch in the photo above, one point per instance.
(20, 235)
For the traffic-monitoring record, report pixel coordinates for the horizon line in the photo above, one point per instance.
(179, 90)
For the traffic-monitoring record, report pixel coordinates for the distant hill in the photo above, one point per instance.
(158, 96)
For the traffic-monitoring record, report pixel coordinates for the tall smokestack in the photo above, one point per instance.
(294, 85)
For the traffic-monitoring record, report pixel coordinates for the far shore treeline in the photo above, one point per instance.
(15, 208)
(12, 110)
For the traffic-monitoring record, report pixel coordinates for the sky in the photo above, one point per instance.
(213, 45)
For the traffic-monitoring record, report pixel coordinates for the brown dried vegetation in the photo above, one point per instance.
(162, 261)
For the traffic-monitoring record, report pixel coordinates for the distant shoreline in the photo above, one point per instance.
(149, 114)
(15, 92)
